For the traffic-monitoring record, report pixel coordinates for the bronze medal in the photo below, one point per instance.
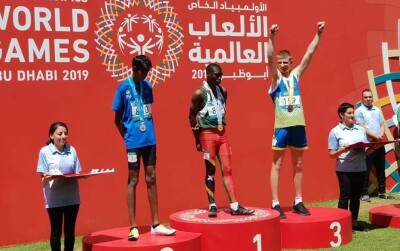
(290, 108)
(220, 128)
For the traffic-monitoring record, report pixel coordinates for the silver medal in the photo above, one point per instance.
(142, 127)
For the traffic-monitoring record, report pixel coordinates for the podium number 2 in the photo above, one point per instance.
(336, 234)
(257, 240)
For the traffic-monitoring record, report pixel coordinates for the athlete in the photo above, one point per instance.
(289, 116)
(207, 119)
(133, 118)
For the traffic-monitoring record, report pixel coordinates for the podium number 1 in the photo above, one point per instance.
(257, 240)
(336, 234)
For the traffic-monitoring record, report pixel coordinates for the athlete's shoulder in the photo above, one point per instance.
(123, 85)
(148, 84)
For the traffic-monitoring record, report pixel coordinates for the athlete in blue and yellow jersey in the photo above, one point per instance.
(207, 119)
(289, 116)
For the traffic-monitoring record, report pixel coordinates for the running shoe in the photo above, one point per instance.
(162, 230)
(299, 208)
(212, 212)
(242, 211)
(133, 234)
(278, 208)
(385, 196)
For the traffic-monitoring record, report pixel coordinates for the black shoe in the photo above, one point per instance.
(299, 208)
(212, 212)
(360, 228)
(385, 196)
(242, 211)
(278, 208)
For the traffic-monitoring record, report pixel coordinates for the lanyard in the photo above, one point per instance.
(216, 101)
(289, 87)
(138, 98)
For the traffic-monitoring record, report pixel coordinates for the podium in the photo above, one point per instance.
(257, 232)
(325, 228)
(385, 216)
(117, 239)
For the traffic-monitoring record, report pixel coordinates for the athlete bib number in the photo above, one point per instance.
(284, 101)
(146, 112)
(212, 111)
(132, 157)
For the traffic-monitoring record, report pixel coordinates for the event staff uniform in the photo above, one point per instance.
(61, 194)
(350, 166)
(372, 118)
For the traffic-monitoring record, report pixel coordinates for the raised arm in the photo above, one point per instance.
(311, 49)
(195, 107)
(271, 53)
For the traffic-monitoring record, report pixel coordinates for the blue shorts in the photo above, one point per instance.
(293, 137)
(147, 153)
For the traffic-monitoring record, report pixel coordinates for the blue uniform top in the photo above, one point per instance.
(60, 191)
(353, 160)
(135, 106)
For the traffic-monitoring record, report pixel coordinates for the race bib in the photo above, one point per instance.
(132, 158)
(146, 111)
(212, 111)
(206, 155)
(284, 101)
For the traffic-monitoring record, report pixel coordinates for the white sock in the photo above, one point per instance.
(234, 206)
(297, 200)
(275, 202)
(211, 205)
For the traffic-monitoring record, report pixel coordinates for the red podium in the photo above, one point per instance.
(324, 228)
(257, 232)
(117, 240)
(385, 216)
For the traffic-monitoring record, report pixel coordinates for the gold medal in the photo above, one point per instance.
(220, 128)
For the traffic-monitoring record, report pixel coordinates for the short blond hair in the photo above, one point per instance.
(284, 54)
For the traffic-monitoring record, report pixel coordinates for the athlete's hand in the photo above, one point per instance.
(273, 30)
(46, 177)
(321, 27)
(198, 147)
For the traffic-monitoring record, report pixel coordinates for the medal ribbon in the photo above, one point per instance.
(290, 88)
(216, 101)
(138, 99)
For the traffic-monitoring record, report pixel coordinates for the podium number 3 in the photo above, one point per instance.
(336, 234)
(257, 240)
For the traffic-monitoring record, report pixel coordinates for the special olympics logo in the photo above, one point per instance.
(128, 28)
(196, 215)
(139, 44)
